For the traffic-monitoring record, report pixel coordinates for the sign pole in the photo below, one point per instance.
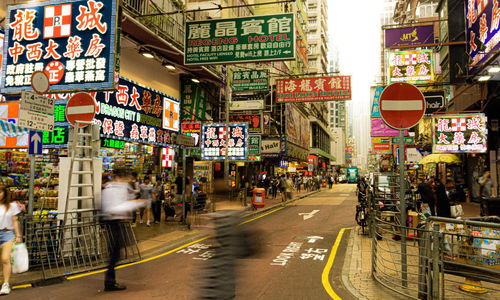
(183, 186)
(228, 104)
(31, 184)
(402, 208)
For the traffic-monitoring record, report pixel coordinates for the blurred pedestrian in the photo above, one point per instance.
(442, 200)
(9, 233)
(427, 195)
(330, 181)
(116, 207)
(487, 188)
(134, 192)
(157, 199)
(147, 189)
(298, 182)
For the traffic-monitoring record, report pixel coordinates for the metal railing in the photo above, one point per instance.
(59, 249)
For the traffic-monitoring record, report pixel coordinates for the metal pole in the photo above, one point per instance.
(183, 186)
(435, 261)
(402, 203)
(31, 185)
(228, 103)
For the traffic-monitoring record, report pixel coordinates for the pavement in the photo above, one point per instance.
(166, 235)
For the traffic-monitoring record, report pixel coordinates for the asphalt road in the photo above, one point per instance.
(297, 243)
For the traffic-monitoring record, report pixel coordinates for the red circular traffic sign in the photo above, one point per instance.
(402, 105)
(80, 107)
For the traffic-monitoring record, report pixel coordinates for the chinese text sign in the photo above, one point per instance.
(256, 38)
(255, 80)
(313, 89)
(213, 141)
(411, 66)
(72, 41)
(460, 134)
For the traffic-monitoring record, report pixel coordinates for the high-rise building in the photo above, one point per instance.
(317, 36)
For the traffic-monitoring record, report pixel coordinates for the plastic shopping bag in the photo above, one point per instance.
(19, 258)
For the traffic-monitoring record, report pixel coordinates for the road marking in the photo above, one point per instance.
(309, 215)
(22, 286)
(326, 271)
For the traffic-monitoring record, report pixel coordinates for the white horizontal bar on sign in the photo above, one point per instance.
(402, 105)
(85, 109)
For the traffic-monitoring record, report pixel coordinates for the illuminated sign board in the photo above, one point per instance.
(254, 145)
(404, 36)
(135, 113)
(314, 89)
(111, 143)
(254, 80)
(482, 22)
(246, 39)
(213, 141)
(416, 66)
(465, 133)
(72, 41)
(254, 121)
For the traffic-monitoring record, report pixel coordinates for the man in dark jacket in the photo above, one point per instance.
(427, 195)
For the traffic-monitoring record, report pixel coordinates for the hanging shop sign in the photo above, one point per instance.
(254, 145)
(482, 22)
(254, 121)
(270, 146)
(250, 80)
(313, 159)
(193, 101)
(112, 143)
(59, 137)
(167, 157)
(193, 130)
(465, 133)
(297, 152)
(381, 145)
(408, 140)
(213, 141)
(284, 163)
(375, 104)
(313, 89)
(246, 39)
(135, 113)
(9, 112)
(416, 66)
(379, 128)
(247, 103)
(433, 101)
(297, 126)
(72, 41)
(409, 36)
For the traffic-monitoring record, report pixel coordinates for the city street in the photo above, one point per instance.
(297, 244)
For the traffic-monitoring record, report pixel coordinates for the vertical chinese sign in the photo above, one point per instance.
(483, 23)
(73, 42)
(193, 101)
(194, 130)
(213, 141)
(254, 145)
(250, 81)
(313, 89)
(411, 66)
(246, 39)
(137, 113)
(460, 133)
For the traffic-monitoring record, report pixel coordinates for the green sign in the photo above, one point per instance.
(246, 39)
(110, 143)
(254, 145)
(58, 136)
(256, 80)
(193, 101)
(408, 140)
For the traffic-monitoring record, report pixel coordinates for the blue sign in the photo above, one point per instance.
(375, 104)
(35, 142)
(72, 41)
(213, 141)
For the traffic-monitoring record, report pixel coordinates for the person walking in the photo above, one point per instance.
(330, 181)
(298, 182)
(487, 189)
(427, 195)
(283, 187)
(116, 207)
(147, 189)
(134, 192)
(9, 233)
(442, 200)
(275, 186)
(157, 199)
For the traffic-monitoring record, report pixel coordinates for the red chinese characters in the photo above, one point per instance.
(134, 99)
(119, 128)
(146, 102)
(23, 25)
(34, 52)
(122, 95)
(107, 126)
(74, 47)
(134, 132)
(16, 51)
(95, 47)
(50, 50)
(90, 17)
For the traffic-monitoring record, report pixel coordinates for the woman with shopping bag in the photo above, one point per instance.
(9, 233)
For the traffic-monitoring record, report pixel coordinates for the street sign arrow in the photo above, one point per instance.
(313, 239)
(309, 215)
(35, 142)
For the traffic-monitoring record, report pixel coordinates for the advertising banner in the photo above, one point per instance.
(433, 101)
(135, 113)
(313, 89)
(379, 128)
(9, 112)
(381, 145)
(250, 81)
(416, 66)
(376, 97)
(193, 101)
(482, 22)
(297, 127)
(245, 39)
(194, 130)
(247, 105)
(409, 36)
(254, 145)
(213, 141)
(254, 121)
(465, 133)
(72, 41)
(270, 146)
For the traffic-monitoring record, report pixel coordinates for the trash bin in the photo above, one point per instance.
(258, 198)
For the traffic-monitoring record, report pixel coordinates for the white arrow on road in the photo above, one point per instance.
(35, 139)
(313, 239)
(308, 215)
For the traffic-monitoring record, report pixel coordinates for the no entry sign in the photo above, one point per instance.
(80, 107)
(402, 105)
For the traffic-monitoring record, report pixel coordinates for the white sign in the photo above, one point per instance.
(270, 146)
(37, 103)
(185, 140)
(413, 155)
(309, 215)
(247, 105)
(36, 121)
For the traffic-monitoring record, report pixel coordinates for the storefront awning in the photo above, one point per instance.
(317, 151)
(11, 129)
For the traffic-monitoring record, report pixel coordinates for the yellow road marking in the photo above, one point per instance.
(165, 253)
(326, 271)
(21, 286)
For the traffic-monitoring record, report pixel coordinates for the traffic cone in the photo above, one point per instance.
(473, 286)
